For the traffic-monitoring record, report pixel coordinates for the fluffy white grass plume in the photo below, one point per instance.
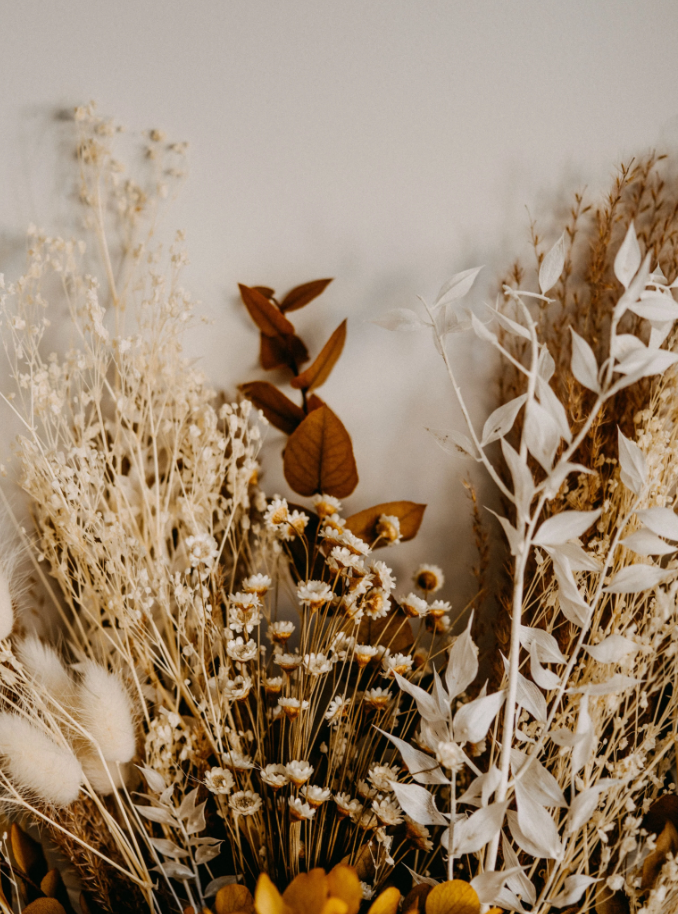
(37, 765)
(44, 665)
(104, 778)
(6, 609)
(104, 709)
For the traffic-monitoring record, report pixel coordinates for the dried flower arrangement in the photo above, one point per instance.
(237, 714)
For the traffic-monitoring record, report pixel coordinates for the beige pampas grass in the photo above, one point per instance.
(45, 667)
(104, 709)
(6, 609)
(36, 765)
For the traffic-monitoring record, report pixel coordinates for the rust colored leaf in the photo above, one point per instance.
(394, 631)
(313, 402)
(319, 456)
(276, 351)
(265, 315)
(416, 899)
(45, 906)
(53, 887)
(364, 523)
(278, 409)
(266, 291)
(667, 843)
(301, 295)
(453, 897)
(27, 854)
(608, 902)
(663, 810)
(317, 373)
(231, 898)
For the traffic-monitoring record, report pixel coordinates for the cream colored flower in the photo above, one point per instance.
(219, 781)
(315, 796)
(245, 803)
(429, 578)
(326, 505)
(275, 776)
(387, 811)
(317, 664)
(314, 593)
(388, 528)
(414, 606)
(380, 776)
(257, 583)
(300, 810)
(299, 772)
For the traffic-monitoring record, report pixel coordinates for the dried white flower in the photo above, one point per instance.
(241, 651)
(326, 505)
(414, 606)
(388, 529)
(314, 593)
(300, 810)
(299, 772)
(317, 664)
(346, 806)
(315, 796)
(258, 584)
(387, 811)
(429, 578)
(396, 663)
(245, 803)
(219, 781)
(276, 513)
(275, 776)
(280, 632)
(382, 775)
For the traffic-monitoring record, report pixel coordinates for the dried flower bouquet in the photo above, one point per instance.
(236, 704)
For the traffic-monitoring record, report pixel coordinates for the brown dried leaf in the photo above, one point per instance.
(53, 886)
(364, 863)
(394, 630)
(301, 295)
(231, 898)
(317, 373)
(453, 897)
(416, 898)
(308, 892)
(663, 810)
(28, 854)
(44, 906)
(667, 843)
(278, 409)
(386, 902)
(609, 902)
(319, 456)
(266, 291)
(283, 350)
(313, 402)
(265, 315)
(364, 523)
(343, 883)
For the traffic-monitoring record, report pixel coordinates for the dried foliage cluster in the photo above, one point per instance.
(238, 713)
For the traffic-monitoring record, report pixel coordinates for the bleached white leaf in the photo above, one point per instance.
(188, 804)
(454, 442)
(628, 258)
(635, 289)
(440, 696)
(401, 319)
(196, 822)
(642, 542)
(662, 521)
(658, 334)
(482, 332)
(157, 814)
(529, 697)
(155, 781)
(625, 343)
(655, 306)
(545, 679)
(643, 363)
(423, 768)
(536, 823)
(551, 403)
(552, 265)
(207, 852)
(454, 319)
(457, 287)
(216, 884)
(167, 848)
(584, 365)
(426, 704)
(546, 366)
(521, 839)
(585, 804)
(613, 649)
(473, 720)
(559, 474)
(462, 666)
(510, 325)
(481, 788)
(489, 884)
(637, 578)
(616, 683)
(537, 779)
(632, 464)
(514, 538)
(577, 557)
(572, 604)
(418, 879)
(523, 483)
(549, 652)
(418, 803)
(573, 889)
(472, 834)
(500, 422)
(174, 870)
(507, 901)
(518, 881)
(584, 748)
(567, 525)
(541, 434)
(566, 738)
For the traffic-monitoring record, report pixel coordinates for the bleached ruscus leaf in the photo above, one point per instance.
(552, 265)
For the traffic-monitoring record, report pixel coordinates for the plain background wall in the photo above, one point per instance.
(387, 143)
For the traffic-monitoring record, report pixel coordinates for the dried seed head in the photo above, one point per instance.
(104, 709)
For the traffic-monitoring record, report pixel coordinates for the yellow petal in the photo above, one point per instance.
(453, 897)
(335, 906)
(344, 883)
(308, 892)
(386, 903)
(233, 898)
(267, 899)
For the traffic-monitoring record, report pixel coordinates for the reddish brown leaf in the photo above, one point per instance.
(667, 843)
(317, 373)
(44, 906)
(415, 899)
(608, 902)
(266, 291)
(319, 456)
(313, 402)
(364, 523)
(278, 409)
(663, 810)
(266, 316)
(302, 295)
(277, 351)
(394, 631)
